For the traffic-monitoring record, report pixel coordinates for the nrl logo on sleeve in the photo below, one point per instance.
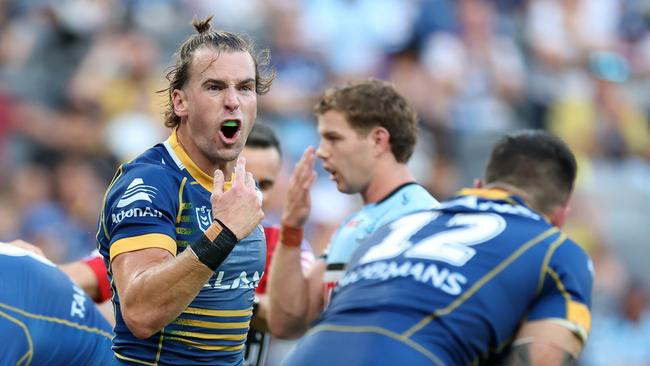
(203, 217)
(137, 191)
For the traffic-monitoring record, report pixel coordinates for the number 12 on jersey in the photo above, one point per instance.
(451, 243)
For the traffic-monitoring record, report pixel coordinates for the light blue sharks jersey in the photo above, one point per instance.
(407, 198)
(451, 286)
(44, 318)
(162, 199)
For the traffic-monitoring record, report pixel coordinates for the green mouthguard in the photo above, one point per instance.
(231, 124)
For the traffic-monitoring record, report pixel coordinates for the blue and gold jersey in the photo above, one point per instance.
(44, 318)
(162, 199)
(451, 286)
(407, 198)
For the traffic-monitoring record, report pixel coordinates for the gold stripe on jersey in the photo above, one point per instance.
(139, 242)
(490, 194)
(381, 331)
(207, 347)
(224, 337)
(180, 200)
(160, 345)
(133, 360)
(212, 325)
(547, 258)
(27, 357)
(580, 314)
(480, 283)
(211, 312)
(102, 223)
(56, 320)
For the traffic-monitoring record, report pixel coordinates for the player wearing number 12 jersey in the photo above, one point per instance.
(487, 274)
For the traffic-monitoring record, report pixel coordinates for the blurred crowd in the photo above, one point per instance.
(79, 82)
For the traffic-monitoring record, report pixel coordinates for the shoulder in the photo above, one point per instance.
(418, 194)
(573, 257)
(571, 253)
(410, 196)
(145, 177)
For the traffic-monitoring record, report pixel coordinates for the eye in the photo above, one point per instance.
(247, 87)
(265, 185)
(213, 87)
(332, 138)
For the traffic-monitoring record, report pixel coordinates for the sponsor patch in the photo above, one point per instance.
(137, 191)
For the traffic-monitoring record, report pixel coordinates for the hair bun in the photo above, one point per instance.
(202, 26)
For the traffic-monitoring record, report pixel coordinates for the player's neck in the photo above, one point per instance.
(385, 181)
(510, 189)
(202, 161)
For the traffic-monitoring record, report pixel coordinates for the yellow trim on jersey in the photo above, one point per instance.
(133, 359)
(203, 178)
(381, 331)
(102, 223)
(180, 200)
(57, 320)
(224, 337)
(27, 357)
(479, 284)
(212, 325)
(206, 347)
(579, 313)
(160, 345)
(547, 258)
(490, 194)
(211, 312)
(145, 241)
(576, 312)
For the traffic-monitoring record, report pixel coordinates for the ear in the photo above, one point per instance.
(559, 215)
(381, 140)
(179, 102)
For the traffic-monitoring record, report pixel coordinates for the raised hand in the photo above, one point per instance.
(298, 204)
(240, 207)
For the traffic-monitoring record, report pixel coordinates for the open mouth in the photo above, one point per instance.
(230, 130)
(332, 173)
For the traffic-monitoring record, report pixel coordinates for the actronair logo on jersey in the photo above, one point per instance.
(136, 191)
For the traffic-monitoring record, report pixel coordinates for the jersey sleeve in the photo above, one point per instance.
(566, 287)
(140, 211)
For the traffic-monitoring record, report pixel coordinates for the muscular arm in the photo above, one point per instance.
(155, 287)
(544, 342)
(295, 299)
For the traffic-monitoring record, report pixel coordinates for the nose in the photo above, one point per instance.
(231, 100)
(321, 152)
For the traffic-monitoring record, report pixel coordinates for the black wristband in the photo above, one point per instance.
(213, 253)
(227, 230)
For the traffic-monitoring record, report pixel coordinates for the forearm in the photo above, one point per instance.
(83, 277)
(288, 293)
(536, 354)
(261, 313)
(156, 295)
(544, 342)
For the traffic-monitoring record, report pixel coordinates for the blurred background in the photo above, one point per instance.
(78, 82)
